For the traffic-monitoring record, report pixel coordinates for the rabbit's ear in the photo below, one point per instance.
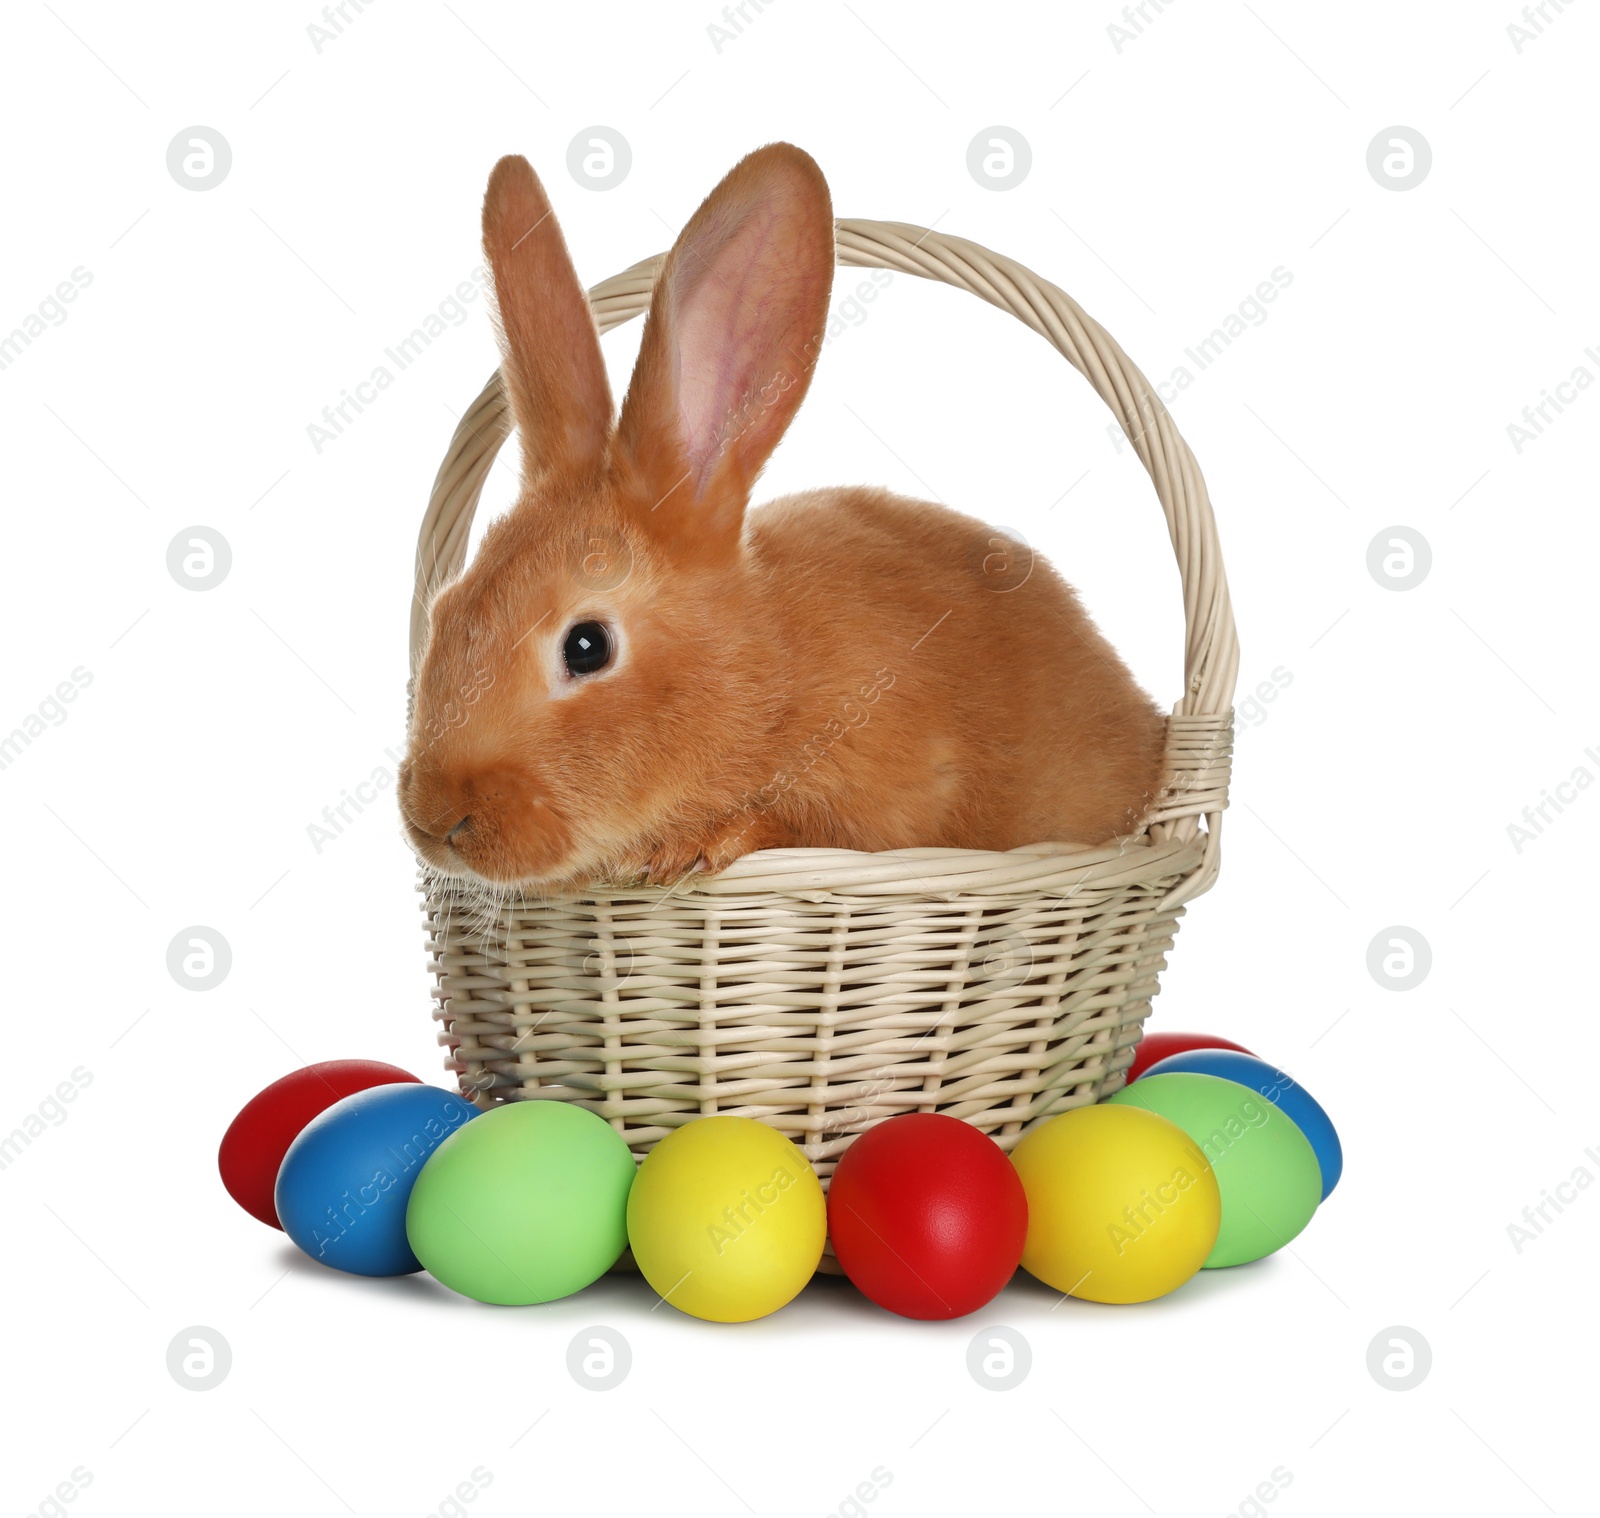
(550, 349)
(736, 321)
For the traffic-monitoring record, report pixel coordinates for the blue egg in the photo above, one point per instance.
(344, 1184)
(1296, 1103)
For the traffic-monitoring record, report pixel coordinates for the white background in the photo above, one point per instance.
(1169, 177)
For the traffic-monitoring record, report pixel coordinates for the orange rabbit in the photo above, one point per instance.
(636, 679)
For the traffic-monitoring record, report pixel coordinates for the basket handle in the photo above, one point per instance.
(1202, 724)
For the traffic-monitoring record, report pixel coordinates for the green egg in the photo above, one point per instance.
(1265, 1167)
(533, 1208)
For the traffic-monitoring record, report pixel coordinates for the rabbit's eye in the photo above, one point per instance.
(587, 649)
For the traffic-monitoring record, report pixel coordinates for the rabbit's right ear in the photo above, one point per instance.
(550, 347)
(736, 321)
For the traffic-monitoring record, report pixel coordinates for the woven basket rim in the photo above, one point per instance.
(1200, 726)
(826, 874)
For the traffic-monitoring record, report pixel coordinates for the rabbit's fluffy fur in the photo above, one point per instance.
(843, 668)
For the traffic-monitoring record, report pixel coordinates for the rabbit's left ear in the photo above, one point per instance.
(550, 349)
(736, 322)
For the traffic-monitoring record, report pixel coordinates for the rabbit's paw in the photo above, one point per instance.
(670, 862)
(739, 836)
(707, 853)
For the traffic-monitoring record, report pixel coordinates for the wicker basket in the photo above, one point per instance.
(822, 990)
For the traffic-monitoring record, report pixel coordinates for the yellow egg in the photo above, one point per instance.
(1120, 1209)
(726, 1219)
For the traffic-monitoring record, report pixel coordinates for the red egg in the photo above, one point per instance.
(256, 1140)
(1156, 1046)
(927, 1216)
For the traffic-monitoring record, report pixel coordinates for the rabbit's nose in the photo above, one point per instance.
(433, 811)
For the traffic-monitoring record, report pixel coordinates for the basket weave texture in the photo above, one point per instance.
(823, 990)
